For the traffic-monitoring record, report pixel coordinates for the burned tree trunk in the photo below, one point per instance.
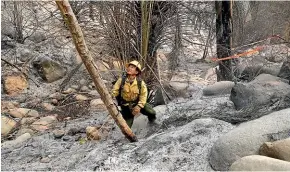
(87, 59)
(223, 38)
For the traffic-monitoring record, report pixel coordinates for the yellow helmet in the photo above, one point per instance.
(135, 63)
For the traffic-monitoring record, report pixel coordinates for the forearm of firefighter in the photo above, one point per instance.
(143, 95)
(116, 87)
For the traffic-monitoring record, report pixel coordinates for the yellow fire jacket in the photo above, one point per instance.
(130, 92)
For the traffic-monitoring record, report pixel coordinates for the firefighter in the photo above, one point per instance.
(130, 93)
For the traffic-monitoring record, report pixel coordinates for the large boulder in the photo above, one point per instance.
(249, 70)
(247, 138)
(278, 149)
(265, 90)
(219, 88)
(259, 163)
(182, 148)
(49, 70)
(285, 70)
(15, 84)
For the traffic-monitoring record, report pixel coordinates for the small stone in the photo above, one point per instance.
(75, 87)
(92, 133)
(54, 101)
(83, 82)
(78, 137)
(92, 85)
(97, 104)
(94, 93)
(67, 118)
(84, 88)
(23, 112)
(58, 133)
(47, 106)
(45, 160)
(57, 96)
(67, 138)
(69, 90)
(74, 131)
(80, 97)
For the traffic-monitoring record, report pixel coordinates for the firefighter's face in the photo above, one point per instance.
(132, 70)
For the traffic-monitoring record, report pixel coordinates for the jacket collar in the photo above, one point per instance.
(133, 83)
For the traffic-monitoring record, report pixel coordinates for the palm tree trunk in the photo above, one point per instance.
(87, 59)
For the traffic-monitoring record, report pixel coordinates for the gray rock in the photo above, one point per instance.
(45, 160)
(247, 138)
(264, 91)
(37, 37)
(76, 87)
(158, 97)
(24, 54)
(259, 163)
(182, 113)
(49, 70)
(84, 88)
(17, 141)
(83, 82)
(178, 86)
(285, 71)
(58, 133)
(94, 93)
(219, 88)
(251, 72)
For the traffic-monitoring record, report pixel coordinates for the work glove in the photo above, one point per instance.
(136, 110)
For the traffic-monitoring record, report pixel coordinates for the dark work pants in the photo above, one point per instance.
(129, 117)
